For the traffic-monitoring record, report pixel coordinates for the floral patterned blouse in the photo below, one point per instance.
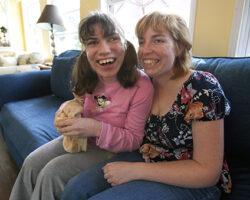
(169, 137)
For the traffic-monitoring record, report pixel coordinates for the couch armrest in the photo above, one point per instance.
(24, 85)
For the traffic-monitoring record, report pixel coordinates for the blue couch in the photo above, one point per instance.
(28, 102)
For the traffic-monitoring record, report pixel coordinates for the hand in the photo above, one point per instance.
(117, 173)
(79, 127)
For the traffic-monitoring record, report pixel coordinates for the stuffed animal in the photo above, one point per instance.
(68, 110)
(148, 151)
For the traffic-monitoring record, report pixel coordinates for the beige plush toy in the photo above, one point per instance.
(72, 109)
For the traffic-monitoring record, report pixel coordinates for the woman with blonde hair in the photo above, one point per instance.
(182, 153)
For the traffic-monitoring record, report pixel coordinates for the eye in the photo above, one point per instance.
(158, 41)
(114, 38)
(92, 42)
(141, 42)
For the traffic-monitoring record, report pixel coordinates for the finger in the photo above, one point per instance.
(58, 123)
(105, 168)
(109, 180)
(106, 176)
(68, 131)
(64, 123)
(63, 130)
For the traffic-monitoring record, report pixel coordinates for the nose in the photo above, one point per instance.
(104, 47)
(145, 48)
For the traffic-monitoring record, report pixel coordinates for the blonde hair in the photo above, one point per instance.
(179, 31)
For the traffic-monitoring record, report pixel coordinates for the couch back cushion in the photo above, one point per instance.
(61, 74)
(7, 61)
(234, 77)
(30, 58)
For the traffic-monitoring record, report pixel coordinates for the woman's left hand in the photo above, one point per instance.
(79, 127)
(117, 173)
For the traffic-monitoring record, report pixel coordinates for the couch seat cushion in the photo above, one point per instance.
(241, 181)
(28, 124)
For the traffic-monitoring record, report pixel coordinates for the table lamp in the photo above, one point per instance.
(52, 21)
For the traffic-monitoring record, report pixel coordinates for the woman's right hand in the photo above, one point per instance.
(117, 173)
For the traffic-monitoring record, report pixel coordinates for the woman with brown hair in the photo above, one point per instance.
(106, 71)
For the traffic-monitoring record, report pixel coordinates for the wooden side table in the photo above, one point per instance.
(44, 66)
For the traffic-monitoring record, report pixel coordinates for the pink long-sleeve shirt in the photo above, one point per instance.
(122, 111)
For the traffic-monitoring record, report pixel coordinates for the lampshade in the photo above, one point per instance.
(50, 18)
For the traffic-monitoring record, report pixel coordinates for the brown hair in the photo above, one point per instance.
(84, 77)
(179, 31)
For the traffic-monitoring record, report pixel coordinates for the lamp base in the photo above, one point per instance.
(53, 43)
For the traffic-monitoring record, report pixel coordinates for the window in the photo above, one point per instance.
(4, 28)
(133, 10)
(70, 12)
(33, 34)
(239, 45)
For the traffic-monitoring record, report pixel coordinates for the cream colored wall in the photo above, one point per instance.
(211, 34)
(213, 27)
(16, 26)
(88, 5)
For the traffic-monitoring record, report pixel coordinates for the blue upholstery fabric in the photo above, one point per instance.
(28, 124)
(234, 76)
(27, 116)
(24, 85)
(61, 73)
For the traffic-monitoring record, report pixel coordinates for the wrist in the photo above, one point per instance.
(137, 170)
(98, 128)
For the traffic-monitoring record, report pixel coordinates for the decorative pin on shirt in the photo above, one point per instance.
(101, 102)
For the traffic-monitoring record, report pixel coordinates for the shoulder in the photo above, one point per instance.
(144, 87)
(144, 79)
(204, 80)
(205, 77)
(206, 90)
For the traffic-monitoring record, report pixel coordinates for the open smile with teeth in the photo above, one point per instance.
(150, 62)
(106, 61)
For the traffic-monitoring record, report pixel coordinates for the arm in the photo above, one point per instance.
(129, 137)
(24, 85)
(202, 171)
(111, 138)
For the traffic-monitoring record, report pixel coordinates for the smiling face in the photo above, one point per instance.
(105, 53)
(157, 52)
